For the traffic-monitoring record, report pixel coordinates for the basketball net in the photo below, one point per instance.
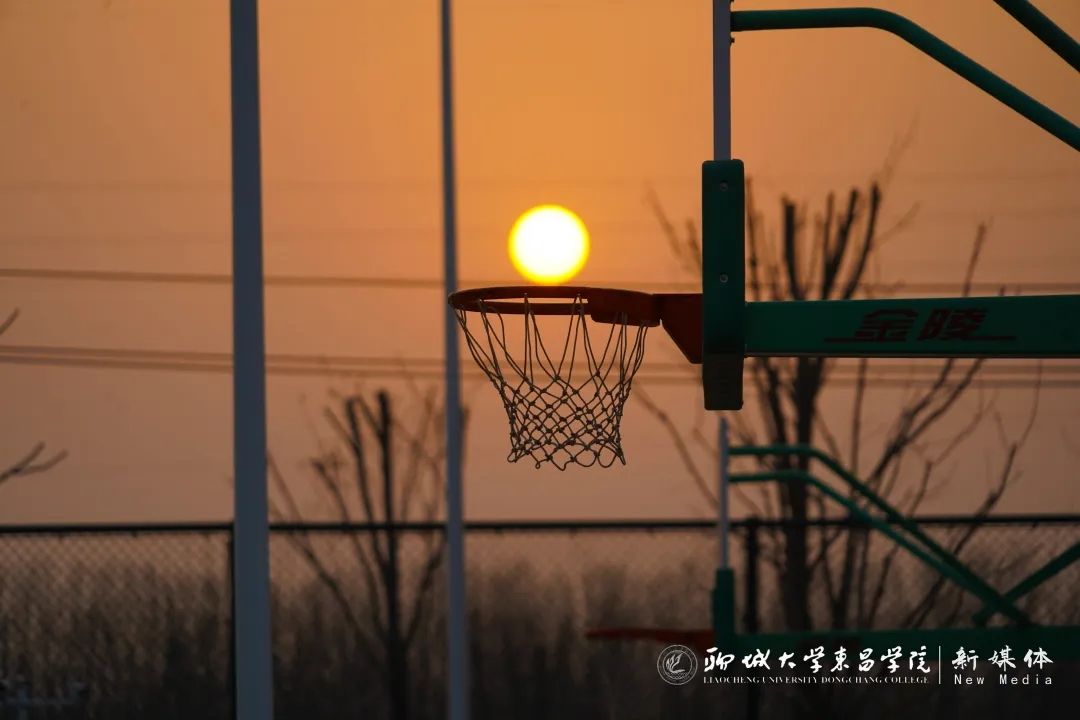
(563, 410)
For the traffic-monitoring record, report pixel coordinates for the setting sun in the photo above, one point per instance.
(549, 245)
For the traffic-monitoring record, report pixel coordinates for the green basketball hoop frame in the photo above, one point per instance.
(718, 329)
(983, 327)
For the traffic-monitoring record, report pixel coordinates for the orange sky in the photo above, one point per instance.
(114, 147)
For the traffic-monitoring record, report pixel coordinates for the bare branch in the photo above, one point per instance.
(687, 251)
(791, 233)
(878, 593)
(29, 464)
(432, 564)
(925, 411)
(839, 244)
(301, 542)
(990, 501)
(278, 483)
(356, 445)
(855, 440)
(753, 244)
(326, 472)
(855, 277)
(899, 226)
(831, 445)
(412, 474)
(680, 444)
(821, 249)
(899, 147)
(9, 321)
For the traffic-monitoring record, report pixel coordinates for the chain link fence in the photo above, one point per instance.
(141, 616)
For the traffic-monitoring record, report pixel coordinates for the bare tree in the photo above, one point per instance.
(401, 481)
(831, 257)
(32, 462)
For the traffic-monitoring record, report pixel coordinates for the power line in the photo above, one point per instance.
(123, 276)
(435, 375)
(940, 215)
(643, 378)
(153, 278)
(1005, 366)
(289, 236)
(1062, 376)
(580, 180)
(208, 357)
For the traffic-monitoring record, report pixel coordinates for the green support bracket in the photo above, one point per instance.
(1060, 642)
(1034, 580)
(723, 283)
(891, 513)
(951, 568)
(962, 65)
(1044, 28)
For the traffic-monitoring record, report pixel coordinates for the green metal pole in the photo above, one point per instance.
(1044, 28)
(962, 65)
(723, 601)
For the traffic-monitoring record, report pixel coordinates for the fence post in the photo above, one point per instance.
(230, 574)
(751, 622)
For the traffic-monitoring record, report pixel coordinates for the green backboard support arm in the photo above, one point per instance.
(1035, 326)
(1045, 29)
(962, 65)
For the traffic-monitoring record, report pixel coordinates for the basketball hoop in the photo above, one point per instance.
(565, 406)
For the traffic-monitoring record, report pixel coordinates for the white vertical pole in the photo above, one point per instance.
(721, 42)
(723, 517)
(251, 533)
(457, 656)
